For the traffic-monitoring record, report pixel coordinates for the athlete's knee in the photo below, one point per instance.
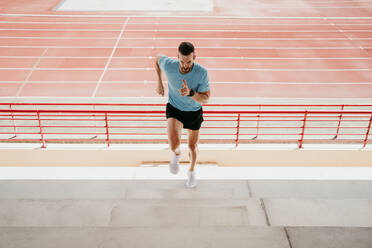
(193, 147)
(174, 144)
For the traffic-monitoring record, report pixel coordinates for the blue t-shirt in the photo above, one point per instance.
(197, 80)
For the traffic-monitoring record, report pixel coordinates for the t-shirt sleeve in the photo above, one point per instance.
(164, 62)
(204, 84)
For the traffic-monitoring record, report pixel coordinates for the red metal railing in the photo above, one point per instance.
(339, 106)
(221, 126)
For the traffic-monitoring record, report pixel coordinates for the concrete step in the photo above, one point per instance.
(186, 212)
(319, 212)
(122, 189)
(175, 237)
(131, 213)
(186, 237)
(175, 189)
(320, 189)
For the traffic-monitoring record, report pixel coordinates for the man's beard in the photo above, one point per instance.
(185, 70)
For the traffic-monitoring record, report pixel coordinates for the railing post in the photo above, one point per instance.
(95, 120)
(367, 134)
(107, 130)
(14, 125)
(258, 123)
(41, 131)
(303, 131)
(339, 122)
(237, 131)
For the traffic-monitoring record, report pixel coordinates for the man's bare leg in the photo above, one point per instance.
(174, 128)
(193, 147)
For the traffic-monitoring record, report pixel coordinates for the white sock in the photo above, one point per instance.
(175, 157)
(177, 151)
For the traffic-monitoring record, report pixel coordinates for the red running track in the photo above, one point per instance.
(55, 55)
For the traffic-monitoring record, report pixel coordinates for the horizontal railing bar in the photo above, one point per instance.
(211, 111)
(207, 127)
(184, 140)
(212, 105)
(161, 120)
(114, 133)
(253, 120)
(205, 112)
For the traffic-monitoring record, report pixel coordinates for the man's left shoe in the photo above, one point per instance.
(191, 181)
(174, 166)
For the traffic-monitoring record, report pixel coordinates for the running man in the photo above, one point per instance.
(188, 86)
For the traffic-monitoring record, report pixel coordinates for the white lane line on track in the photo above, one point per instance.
(353, 101)
(225, 82)
(188, 30)
(153, 69)
(191, 16)
(199, 47)
(220, 58)
(174, 38)
(58, 29)
(110, 57)
(189, 23)
(58, 38)
(29, 75)
(60, 69)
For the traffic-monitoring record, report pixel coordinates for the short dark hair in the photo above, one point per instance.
(186, 48)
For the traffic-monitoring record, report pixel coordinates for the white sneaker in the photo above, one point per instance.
(191, 181)
(174, 166)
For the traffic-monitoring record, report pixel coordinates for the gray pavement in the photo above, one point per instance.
(163, 213)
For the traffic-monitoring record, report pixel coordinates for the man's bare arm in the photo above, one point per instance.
(157, 67)
(159, 87)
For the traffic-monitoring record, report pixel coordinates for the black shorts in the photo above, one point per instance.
(190, 119)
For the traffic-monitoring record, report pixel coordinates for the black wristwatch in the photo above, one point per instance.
(191, 93)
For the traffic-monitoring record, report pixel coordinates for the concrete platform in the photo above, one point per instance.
(217, 213)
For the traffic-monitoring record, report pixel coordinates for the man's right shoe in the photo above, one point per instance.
(174, 166)
(191, 181)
